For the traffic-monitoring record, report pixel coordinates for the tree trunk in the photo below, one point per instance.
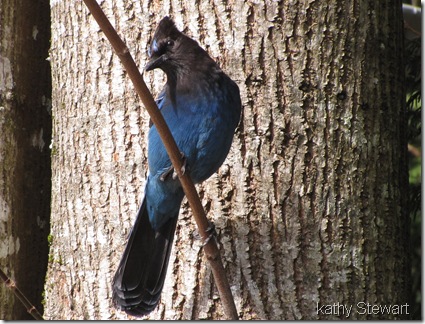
(25, 133)
(309, 205)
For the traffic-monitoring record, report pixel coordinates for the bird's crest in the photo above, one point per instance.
(166, 30)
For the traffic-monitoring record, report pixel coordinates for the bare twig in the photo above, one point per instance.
(211, 249)
(12, 286)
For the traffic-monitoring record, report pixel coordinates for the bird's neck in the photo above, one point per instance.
(193, 78)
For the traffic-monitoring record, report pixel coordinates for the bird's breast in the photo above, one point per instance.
(202, 127)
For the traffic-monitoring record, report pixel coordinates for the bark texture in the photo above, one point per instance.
(309, 205)
(25, 133)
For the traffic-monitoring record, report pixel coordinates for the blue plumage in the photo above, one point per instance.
(203, 127)
(202, 107)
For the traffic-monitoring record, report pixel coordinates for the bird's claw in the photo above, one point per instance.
(171, 170)
(210, 230)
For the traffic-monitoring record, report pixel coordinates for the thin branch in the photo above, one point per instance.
(211, 249)
(12, 286)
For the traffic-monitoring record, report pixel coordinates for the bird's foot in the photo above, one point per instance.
(212, 233)
(171, 171)
(210, 230)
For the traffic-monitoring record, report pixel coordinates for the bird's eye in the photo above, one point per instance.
(170, 43)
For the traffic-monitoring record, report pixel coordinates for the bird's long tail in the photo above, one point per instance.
(140, 277)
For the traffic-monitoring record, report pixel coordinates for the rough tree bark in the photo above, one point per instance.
(309, 205)
(25, 133)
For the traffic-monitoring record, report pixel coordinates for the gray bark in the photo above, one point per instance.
(309, 204)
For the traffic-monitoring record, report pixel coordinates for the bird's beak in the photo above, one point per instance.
(156, 62)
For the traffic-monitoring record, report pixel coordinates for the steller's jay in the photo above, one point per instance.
(202, 108)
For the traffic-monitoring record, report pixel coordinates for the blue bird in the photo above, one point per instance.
(202, 108)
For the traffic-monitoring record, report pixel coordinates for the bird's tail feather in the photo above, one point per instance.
(140, 277)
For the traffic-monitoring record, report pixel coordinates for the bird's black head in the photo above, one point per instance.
(162, 46)
(171, 50)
